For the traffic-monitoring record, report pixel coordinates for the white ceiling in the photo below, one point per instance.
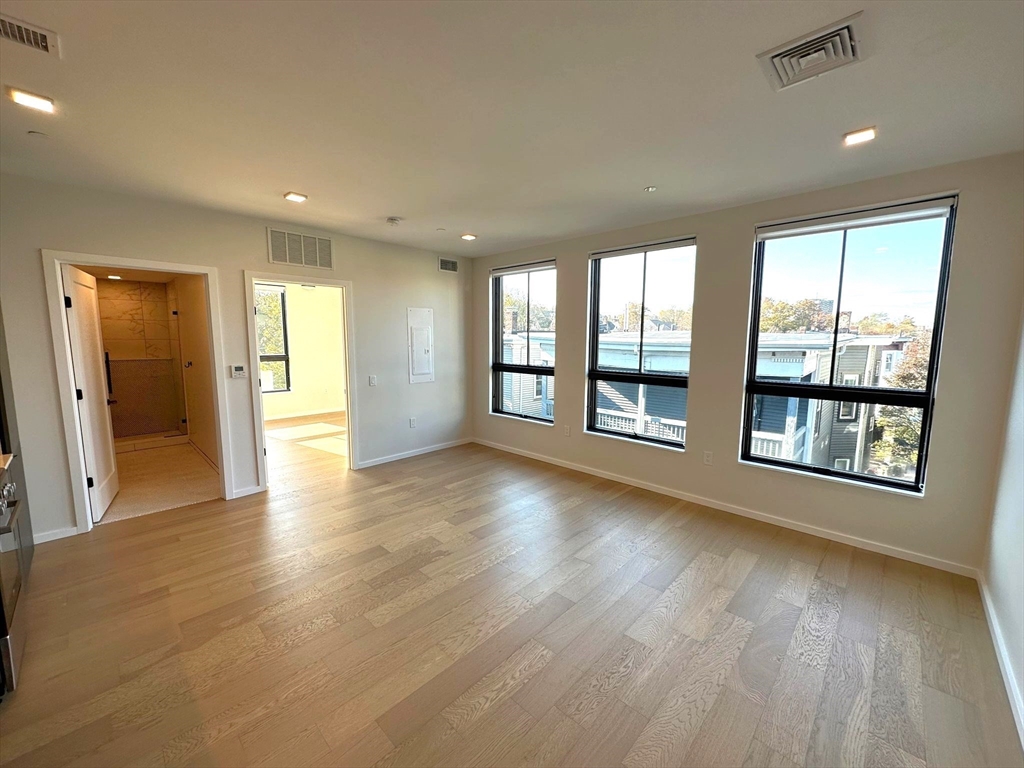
(521, 122)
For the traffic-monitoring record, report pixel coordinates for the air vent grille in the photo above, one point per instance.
(299, 250)
(815, 54)
(27, 34)
(448, 265)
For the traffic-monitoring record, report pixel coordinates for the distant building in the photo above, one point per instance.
(785, 428)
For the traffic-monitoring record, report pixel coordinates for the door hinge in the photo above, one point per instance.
(264, 451)
(89, 482)
(67, 302)
(78, 394)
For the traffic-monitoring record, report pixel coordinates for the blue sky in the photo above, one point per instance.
(893, 268)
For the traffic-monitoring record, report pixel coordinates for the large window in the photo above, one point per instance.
(641, 316)
(272, 338)
(844, 344)
(523, 343)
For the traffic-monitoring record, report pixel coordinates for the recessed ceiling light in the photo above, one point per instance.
(32, 101)
(650, 189)
(859, 137)
(468, 236)
(113, 277)
(295, 197)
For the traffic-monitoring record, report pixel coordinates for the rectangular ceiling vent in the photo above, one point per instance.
(813, 54)
(41, 39)
(296, 250)
(447, 265)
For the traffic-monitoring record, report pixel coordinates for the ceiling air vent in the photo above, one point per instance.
(813, 54)
(448, 265)
(28, 34)
(291, 248)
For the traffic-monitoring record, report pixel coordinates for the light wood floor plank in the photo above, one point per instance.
(470, 607)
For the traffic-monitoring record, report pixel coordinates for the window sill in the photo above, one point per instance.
(522, 419)
(635, 441)
(906, 492)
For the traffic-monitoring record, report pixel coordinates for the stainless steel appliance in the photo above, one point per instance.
(15, 537)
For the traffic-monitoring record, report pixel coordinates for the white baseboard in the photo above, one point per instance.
(41, 537)
(249, 491)
(410, 454)
(1002, 654)
(873, 546)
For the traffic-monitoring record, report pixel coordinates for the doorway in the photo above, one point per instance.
(300, 341)
(140, 357)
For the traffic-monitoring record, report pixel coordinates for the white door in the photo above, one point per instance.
(89, 371)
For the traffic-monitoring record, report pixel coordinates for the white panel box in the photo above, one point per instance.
(421, 345)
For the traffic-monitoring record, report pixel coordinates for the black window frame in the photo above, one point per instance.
(861, 395)
(498, 366)
(285, 358)
(596, 374)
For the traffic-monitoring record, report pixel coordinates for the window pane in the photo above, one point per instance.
(642, 409)
(890, 286)
(525, 394)
(621, 293)
(542, 317)
(796, 322)
(668, 310)
(877, 440)
(270, 320)
(272, 376)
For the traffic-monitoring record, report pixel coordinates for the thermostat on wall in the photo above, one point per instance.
(238, 372)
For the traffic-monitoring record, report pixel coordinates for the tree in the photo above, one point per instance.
(879, 324)
(803, 316)
(901, 426)
(674, 319)
(269, 322)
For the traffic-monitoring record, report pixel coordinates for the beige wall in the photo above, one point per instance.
(386, 278)
(316, 354)
(1003, 574)
(950, 522)
(197, 366)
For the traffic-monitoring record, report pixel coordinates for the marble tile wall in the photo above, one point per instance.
(135, 319)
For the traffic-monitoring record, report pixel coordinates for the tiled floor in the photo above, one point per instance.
(159, 479)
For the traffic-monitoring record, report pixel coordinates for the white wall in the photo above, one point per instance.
(950, 523)
(1003, 575)
(386, 278)
(316, 354)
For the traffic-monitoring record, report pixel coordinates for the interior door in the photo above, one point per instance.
(90, 377)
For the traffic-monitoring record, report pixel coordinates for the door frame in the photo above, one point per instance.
(52, 261)
(348, 334)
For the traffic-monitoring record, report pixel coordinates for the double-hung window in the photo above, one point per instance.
(844, 342)
(523, 341)
(641, 317)
(272, 338)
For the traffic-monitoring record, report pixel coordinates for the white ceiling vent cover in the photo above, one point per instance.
(41, 39)
(447, 265)
(297, 250)
(813, 54)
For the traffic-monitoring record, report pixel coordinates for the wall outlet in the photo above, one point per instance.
(412, 422)
(709, 458)
(566, 430)
(373, 381)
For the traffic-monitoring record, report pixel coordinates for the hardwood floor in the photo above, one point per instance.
(470, 607)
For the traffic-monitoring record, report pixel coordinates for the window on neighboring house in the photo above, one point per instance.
(272, 338)
(848, 411)
(640, 324)
(832, 296)
(523, 341)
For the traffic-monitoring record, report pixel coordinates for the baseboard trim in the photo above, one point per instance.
(238, 493)
(410, 454)
(60, 533)
(873, 546)
(1002, 654)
